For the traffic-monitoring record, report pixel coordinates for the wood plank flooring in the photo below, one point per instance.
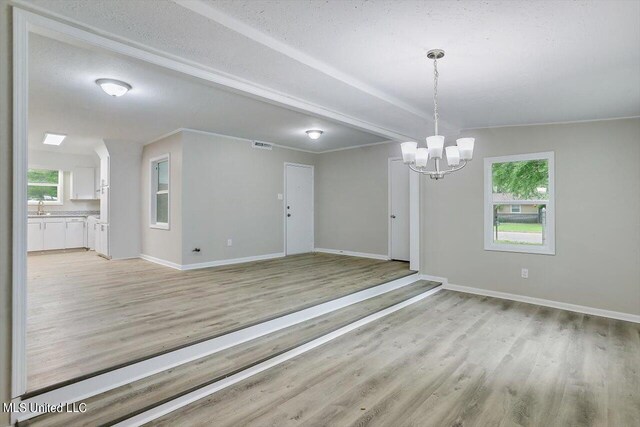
(87, 314)
(135, 397)
(453, 359)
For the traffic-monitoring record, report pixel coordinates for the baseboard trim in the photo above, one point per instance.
(545, 302)
(218, 263)
(351, 253)
(231, 261)
(161, 261)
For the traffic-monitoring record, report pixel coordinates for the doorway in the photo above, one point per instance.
(298, 207)
(399, 231)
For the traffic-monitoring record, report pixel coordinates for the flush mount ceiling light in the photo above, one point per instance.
(457, 155)
(314, 133)
(113, 87)
(53, 138)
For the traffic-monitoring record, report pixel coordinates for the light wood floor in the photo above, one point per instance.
(130, 399)
(452, 359)
(86, 314)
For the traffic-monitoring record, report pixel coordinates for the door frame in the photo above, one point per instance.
(284, 205)
(414, 215)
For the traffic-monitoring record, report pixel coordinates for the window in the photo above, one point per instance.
(159, 204)
(519, 203)
(44, 185)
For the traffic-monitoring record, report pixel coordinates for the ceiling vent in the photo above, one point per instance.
(261, 145)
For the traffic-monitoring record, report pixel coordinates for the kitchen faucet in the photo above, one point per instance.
(40, 208)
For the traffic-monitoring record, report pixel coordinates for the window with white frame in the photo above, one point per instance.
(160, 197)
(519, 211)
(44, 185)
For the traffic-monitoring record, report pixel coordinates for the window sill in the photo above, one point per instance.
(525, 249)
(45, 203)
(159, 226)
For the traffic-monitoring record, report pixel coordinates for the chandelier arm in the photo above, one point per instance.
(448, 171)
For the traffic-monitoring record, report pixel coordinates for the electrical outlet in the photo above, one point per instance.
(229, 242)
(525, 273)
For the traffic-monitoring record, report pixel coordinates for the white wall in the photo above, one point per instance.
(124, 199)
(352, 199)
(597, 261)
(162, 244)
(230, 192)
(65, 162)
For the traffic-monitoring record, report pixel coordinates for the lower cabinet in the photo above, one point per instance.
(35, 235)
(45, 234)
(102, 239)
(54, 234)
(75, 234)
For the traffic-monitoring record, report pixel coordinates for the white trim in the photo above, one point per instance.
(570, 122)
(205, 132)
(371, 144)
(208, 11)
(200, 393)
(313, 206)
(62, 27)
(161, 261)
(20, 168)
(414, 221)
(546, 303)
(284, 147)
(134, 372)
(208, 264)
(549, 248)
(232, 261)
(352, 253)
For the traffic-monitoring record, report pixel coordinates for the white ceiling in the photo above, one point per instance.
(507, 62)
(63, 98)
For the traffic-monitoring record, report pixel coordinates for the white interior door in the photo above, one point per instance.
(298, 209)
(399, 210)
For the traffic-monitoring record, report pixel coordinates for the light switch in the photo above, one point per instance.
(229, 242)
(280, 197)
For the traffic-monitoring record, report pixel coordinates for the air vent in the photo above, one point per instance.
(262, 145)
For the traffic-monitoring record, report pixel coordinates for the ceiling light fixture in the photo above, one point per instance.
(314, 133)
(113, 87)
(53, 138)
(457, 155)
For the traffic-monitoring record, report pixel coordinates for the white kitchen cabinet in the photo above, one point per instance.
(92, 228)
(104, 171)
(83, 184)
(75, 233)
(104, 204)
(102, 239)
(35, 235)
(53, 233)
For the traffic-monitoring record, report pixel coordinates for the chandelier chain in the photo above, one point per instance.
(435, 93)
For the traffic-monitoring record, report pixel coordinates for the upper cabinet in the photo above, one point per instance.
(104, 171)
(83, 185)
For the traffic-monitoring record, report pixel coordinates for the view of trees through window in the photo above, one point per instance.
(43, 185)
(523, 184)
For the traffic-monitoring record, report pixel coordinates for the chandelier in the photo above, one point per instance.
(457, 155)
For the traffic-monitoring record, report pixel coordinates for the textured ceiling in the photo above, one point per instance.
(63, 98)
(507, 62)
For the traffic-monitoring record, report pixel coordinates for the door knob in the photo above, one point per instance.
(393, 216)
(288, 215)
